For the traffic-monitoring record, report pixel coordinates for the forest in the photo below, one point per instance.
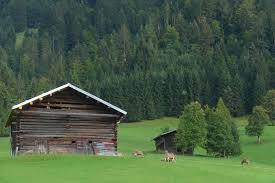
(150, 58)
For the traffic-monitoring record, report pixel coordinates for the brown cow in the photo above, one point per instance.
(138, 153)
(119, 154)
(245, 161)
(169, 157)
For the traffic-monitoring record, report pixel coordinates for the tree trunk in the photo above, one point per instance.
(259, 139)
(192, 151)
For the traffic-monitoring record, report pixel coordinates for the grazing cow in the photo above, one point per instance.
(119, 154)
(169, 157)
(245, 161)
(138, 153)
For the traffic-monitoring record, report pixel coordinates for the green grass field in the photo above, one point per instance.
(196, 169)
(20, 38)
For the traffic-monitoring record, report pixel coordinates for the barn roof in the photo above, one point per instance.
(165, 133)
(69, 85)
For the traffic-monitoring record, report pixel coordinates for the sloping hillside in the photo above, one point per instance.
(148, 57)
(197, 169)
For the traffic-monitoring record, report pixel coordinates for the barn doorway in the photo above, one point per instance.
(41, 146)
(90, 148)
(85, 147)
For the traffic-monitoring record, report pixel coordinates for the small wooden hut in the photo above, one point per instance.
(64, 120)
(167, 142)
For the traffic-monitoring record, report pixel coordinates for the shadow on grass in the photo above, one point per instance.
(186, 155)
(255, 143)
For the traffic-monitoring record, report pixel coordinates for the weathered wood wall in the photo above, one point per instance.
(166, 143)
(66, 122)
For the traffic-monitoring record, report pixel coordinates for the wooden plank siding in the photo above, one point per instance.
(167, 142)
(66, 122)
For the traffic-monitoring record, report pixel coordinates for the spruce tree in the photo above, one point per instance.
(259, 89)
(18, 12)
(177, 51)
(238, 108)
(222, 136)
(218, 135)
(234, 149)
(269, 104)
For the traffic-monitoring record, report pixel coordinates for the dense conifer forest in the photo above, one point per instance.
(148, 57)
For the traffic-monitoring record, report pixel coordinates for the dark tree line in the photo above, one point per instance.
(147, 57)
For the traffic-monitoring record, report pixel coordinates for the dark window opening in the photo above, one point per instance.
(90, 142)
(73, 142)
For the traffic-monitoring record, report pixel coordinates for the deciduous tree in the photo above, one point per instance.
(256, 122)
(192, 129)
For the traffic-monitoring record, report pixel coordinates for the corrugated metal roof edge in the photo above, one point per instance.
(165, 133)
(73, 87)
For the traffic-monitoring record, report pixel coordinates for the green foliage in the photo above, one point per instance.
(256, 122)
(233, 145)
(259, 89)
(170, 40)
(269, 104)
(222, 136)
(3, 102)
(165, 129)
(218, 136)
(150, 168)
(19, 40)
(192, 129)
(148, 57)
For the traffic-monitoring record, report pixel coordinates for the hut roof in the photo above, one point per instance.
(165, 133)
(68, 85)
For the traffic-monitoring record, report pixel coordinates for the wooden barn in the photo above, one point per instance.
(65, 120)
(167, 142)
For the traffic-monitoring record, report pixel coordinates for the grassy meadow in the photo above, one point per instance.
(196, 169)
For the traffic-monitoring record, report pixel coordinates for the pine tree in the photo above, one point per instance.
(237, 89)
(170, 40)
(259, 89)
(218, 136)
(175, 51)
(222, 136)
(7, 33)
(234, 149)
(41, 85)
(5, 100)
(166, 11)
(124, 45)
(234, 101)
(269, 104)
(18, 14)
(146, 49)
